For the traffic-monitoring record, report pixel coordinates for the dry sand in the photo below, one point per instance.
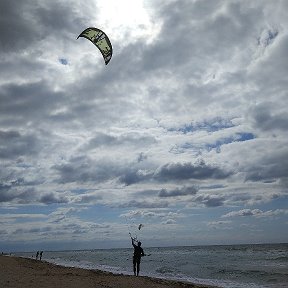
(21, 273)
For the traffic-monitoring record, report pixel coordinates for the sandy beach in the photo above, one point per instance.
(22, 272)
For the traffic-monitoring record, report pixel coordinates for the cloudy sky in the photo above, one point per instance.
(184, 131)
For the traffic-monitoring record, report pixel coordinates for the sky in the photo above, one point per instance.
(184, 131)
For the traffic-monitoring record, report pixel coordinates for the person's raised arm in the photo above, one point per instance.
(133, 242)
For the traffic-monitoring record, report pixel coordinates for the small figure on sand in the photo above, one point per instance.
(138, 253)
(37, 255)
(41, 253)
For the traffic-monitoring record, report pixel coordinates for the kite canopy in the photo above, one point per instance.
(100, 40)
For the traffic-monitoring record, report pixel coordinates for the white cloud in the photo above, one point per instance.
(256, 213)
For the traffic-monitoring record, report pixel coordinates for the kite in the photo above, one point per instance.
(140, 226)
(100, 40)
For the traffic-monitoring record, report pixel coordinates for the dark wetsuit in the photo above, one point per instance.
(138, 253)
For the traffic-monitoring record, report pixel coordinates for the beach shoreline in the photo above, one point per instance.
(18, 272)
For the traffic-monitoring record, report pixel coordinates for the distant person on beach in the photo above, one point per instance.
(41, 253)
(138, 253)
(37, 254)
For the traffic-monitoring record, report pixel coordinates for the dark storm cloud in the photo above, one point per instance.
(84, 169)
(175, 172)
(21, 103)
(183, 191)
(51, 198)
(16, 29)
(24, 22)
(19, 192)
(186, 171)
(133, 176)
(210, 201)
(5, 196)
(270, 168)
(13, 144)
(143, 204)
(102, 139)
(39, 229)
(61, 17)
(20, 196)
(268, 120)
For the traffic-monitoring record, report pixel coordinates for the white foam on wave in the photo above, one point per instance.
(87, 265)
(179, 277)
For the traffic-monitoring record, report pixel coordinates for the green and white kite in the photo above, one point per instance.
(100, 40)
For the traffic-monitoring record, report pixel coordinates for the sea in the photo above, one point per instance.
(227, 266)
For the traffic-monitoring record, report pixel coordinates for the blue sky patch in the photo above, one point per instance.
(238, 137)
(213, 125)
(63, 61)
(244, 136)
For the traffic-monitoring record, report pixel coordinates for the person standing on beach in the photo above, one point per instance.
(41, 253)
(138, 253)
(37, 254)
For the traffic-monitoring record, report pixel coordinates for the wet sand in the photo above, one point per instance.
(21, 273)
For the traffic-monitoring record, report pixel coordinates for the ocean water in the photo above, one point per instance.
(228, 266)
